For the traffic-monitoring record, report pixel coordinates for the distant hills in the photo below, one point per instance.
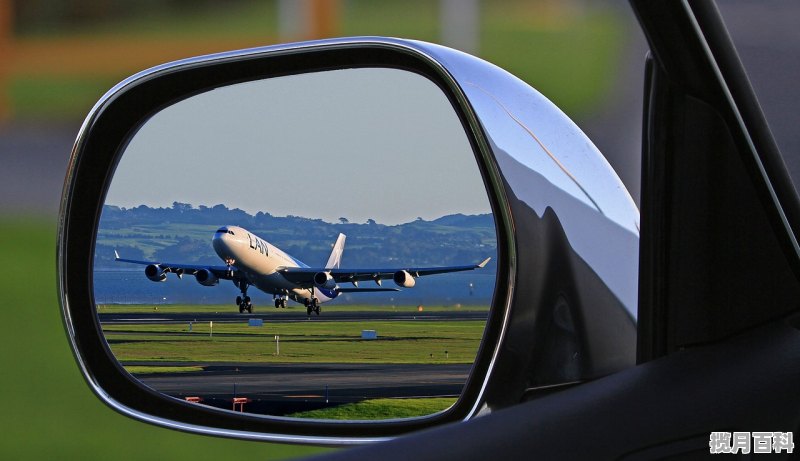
(183, 234)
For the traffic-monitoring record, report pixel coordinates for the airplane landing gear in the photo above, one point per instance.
(244, 304)
(312, 306)
(243, 301)
(280, 301)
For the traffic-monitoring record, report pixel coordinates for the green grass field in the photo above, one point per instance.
(381, 409)
(399, 341)
(148, 370)
(48, 410)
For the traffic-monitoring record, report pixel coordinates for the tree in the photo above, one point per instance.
(181, 207)
(343, 220)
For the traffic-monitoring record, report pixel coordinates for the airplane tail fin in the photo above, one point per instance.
(336, 255)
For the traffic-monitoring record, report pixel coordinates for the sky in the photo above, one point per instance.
(382, 144)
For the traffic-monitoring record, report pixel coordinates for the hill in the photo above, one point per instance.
(183, 234)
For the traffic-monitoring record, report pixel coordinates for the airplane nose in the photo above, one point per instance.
(229, 239)
(224, 238)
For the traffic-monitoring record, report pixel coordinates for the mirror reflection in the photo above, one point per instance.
(313, 246)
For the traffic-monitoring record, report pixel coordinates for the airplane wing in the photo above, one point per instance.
(221, 272)
(304, 276)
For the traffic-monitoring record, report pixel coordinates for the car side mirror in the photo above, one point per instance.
(559, 236)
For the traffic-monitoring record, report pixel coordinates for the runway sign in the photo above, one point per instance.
(369, 334)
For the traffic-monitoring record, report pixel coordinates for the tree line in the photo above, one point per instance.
(182, 234)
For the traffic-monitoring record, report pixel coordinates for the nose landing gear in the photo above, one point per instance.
(229, 270)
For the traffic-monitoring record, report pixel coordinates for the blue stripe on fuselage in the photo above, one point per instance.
(296, 261)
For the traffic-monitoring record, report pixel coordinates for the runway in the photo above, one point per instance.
(287, 388)
(283, 316)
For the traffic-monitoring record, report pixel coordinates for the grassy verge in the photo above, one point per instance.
(381, 409)
(570, 60)
(56, 97)
(146, 370)
(430, 342)
(48, 410)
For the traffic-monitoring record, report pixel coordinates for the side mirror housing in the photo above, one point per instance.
(564, 305)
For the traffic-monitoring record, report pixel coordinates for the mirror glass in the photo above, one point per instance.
(309, 246)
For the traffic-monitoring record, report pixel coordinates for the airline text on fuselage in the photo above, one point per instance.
(258, 244)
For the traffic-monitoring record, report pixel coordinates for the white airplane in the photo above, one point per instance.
(249, 260)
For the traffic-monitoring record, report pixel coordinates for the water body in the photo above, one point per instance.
(132, 287)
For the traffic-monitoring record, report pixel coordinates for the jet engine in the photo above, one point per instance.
(155, 273)
(404, 279)
(206, 278)
(324, 280)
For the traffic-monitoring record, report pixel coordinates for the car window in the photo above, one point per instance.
(767, 38)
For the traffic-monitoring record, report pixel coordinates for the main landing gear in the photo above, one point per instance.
(243, 301)
(280, 301)
(244, 304)
(312, 306)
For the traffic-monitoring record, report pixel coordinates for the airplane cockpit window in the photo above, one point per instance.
(361, 280)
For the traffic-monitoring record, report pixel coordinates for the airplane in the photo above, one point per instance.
(251, 261)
